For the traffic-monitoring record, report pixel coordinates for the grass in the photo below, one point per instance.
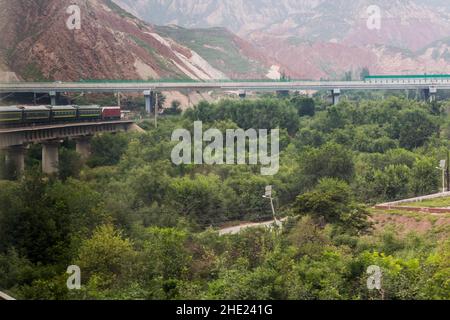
(418, 216)
(431, 203)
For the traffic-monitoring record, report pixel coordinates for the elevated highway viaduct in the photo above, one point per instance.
(146, 87)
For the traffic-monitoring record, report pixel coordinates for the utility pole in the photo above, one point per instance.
(156, 109)
(189, 99)
(448, 170)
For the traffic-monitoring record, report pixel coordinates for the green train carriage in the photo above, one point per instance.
(89, 113)
(10, 115)
(31, 115)
(63, 113)
(36, 114)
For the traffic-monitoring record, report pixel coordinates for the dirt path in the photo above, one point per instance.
(239, 228)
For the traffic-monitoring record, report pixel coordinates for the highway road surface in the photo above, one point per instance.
(140, 86)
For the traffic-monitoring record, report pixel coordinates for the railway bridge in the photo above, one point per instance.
(15, 141)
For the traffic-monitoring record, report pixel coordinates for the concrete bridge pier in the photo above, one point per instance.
(83, 146)
(50, 156)
(15, 159)
(432, 91)
(52, 95)
(429, 94)
(148, 100)
(335, 93)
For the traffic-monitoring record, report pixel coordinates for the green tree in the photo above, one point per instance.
(330, 160)
(415, 128)
(43, 219)
(332, 201)
(424, 177)
(201, 198)
(305, 106)
(166, 253)
(348, 75)
(107, 149)
(70, 164)
(308, 238)
(161, 99)
(107, 255)
(249, 203)
(174, 108)
(393, 182)
(364, 73)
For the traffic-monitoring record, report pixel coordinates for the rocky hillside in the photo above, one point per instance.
(323, 38)
(36, 44)
(224, 51)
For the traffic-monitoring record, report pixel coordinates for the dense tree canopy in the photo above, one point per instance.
(141, 227)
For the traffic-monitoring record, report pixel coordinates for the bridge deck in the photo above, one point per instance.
(61, 125)
(269, 85)
(37, 134)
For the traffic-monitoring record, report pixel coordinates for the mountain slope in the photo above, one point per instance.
(316, 20)
(35, 44)
(240, 16)
(223, 50)
(322, 38)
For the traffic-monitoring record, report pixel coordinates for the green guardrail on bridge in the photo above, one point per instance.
(411, 76)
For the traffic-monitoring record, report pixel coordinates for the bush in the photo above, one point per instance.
(331, 201)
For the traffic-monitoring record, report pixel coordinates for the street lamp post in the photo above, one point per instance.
(268, 195)
(442, 166)
(156, 110)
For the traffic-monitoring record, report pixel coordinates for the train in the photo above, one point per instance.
(40, 115)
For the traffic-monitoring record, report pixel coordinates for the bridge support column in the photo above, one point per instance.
(15, 160)
(429, 94)
(148, 101)
(83, 146)
(432, 93)
(52, 95)
(50, 157)
(336, 93)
